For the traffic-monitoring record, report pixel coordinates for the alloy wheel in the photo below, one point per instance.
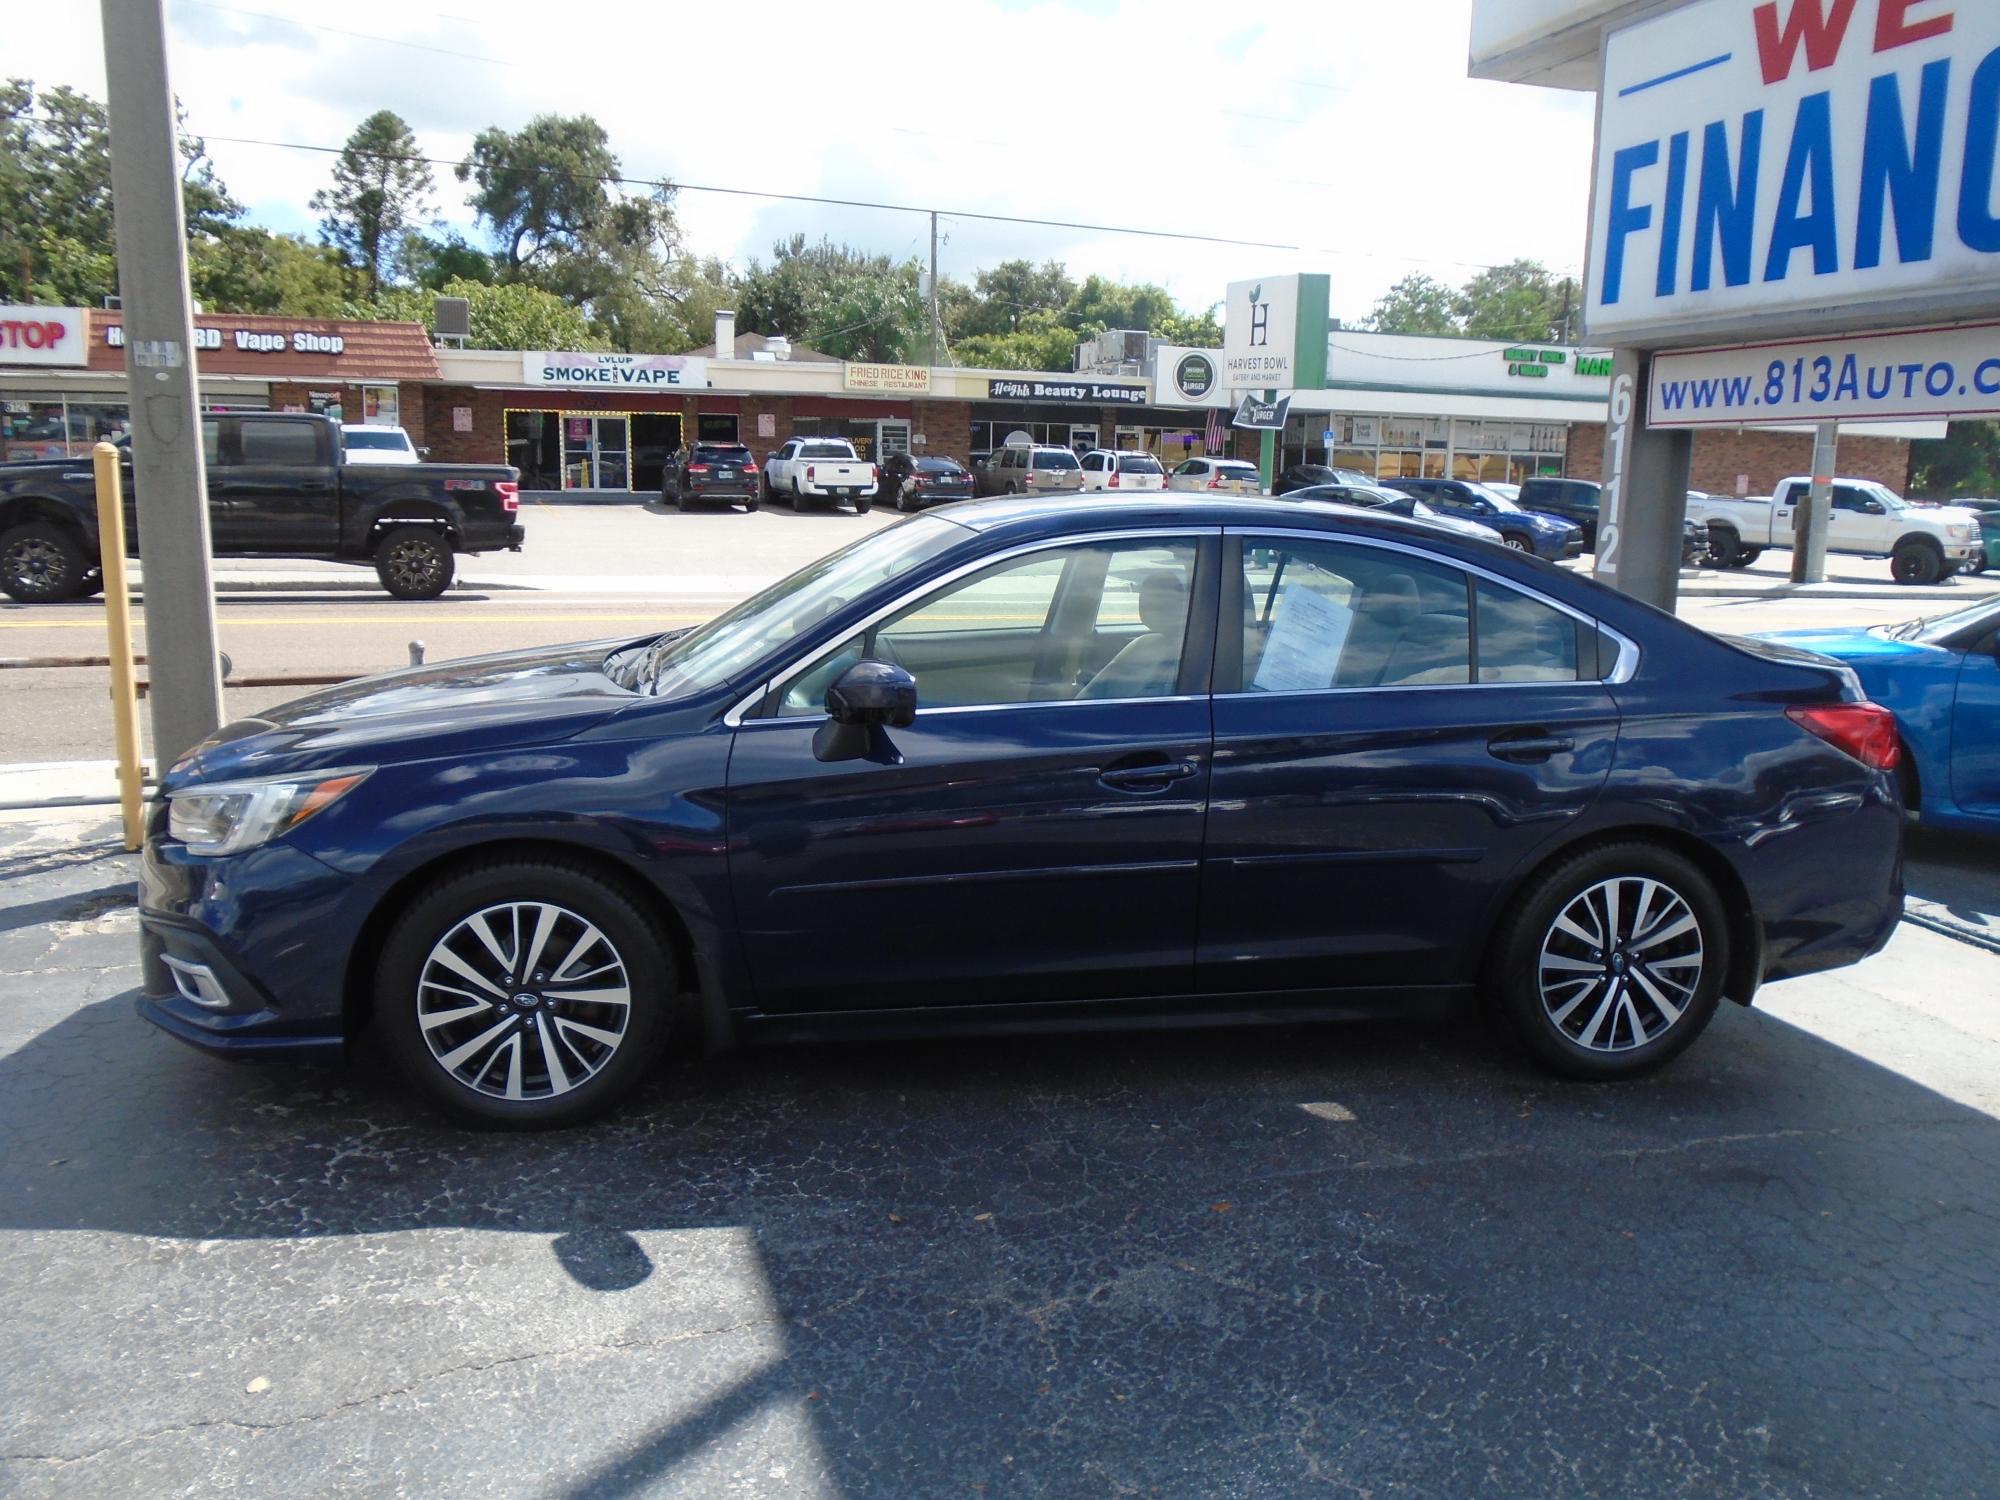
(1518, 544)
(413, 564)
(36, 567)
(524, 1000)
(1621, 963)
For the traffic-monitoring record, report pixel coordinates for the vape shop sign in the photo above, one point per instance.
(625, 372)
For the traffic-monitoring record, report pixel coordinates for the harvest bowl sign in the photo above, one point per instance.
(1772, 165)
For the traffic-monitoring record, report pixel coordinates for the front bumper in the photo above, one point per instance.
(1560, 549)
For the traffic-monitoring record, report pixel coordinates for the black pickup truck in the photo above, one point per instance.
(276, 488)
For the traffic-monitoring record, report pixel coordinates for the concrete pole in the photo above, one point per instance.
(1644, 504)
(1812, 519)
(168, 480)
(936, 326)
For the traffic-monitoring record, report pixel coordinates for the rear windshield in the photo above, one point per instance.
(826, 450)
(721, 453)
(380, 437)
(939, 466)
(1056, 461)
(1140, 464)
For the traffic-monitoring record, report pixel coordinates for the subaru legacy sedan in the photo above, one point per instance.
(1034, 763)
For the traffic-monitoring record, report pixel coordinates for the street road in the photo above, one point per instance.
(1381, 1260)
(587, 572)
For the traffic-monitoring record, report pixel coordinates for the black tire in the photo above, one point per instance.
(42, 563)
(595, 1076)
(93, 585)
(414, 562)
(671, 497)
(1724, 550)
(1747, 555)
(863, 504)
(1577, 1031)
(798, 500)
(1917, 563)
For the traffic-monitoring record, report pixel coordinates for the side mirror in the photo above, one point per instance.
(866, 699)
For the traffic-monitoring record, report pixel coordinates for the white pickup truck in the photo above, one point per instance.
(1923, 543)
(805, 469)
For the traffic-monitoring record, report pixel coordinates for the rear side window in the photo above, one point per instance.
(1138, 464)
(1522, 639)
(294, 444)
(1055, 460)
(1320, 615)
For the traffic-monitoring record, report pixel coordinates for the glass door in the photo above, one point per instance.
(597, 452)
(1082, 439)
(891, 437)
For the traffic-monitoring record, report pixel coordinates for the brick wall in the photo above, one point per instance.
(1721, 457)
(485, 444)
(948, 426)
(779, 408)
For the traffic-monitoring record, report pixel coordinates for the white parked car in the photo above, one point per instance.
(377, 445)
(1124, 472)
(803, 469)
(1505, 491)
(1219, 476)
(1923, 543)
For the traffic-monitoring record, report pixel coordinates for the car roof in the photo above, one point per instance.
(1037, 514)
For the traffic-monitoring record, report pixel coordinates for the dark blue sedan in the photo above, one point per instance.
(1035, 763)
(1941, 679)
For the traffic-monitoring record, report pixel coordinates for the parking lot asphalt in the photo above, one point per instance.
(1385, 1260)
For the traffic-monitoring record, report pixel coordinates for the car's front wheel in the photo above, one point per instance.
(524, 993)
(1519, 543)
(1612, 961)
(41, 563)
(414, 562)
(1918, 562)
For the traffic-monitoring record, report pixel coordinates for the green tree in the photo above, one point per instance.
(1202, 330)
(1964, 464)
(507, 315)
(836, 299)
(254, 271)
(1520, 300)
(1043, 341)
(431, 263)
(381, 191)
(57, 235)
(1008, 293)
(1100, 304)
(1417, 304)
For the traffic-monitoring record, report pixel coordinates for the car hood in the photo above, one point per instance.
(481, 703)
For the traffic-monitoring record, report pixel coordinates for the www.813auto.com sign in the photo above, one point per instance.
(1796, 163)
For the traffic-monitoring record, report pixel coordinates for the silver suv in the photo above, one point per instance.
(1036, 470)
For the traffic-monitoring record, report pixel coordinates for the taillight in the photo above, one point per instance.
(509, 493)
(1111, 483)
(810, 471)
(1866, 731)
(875, 473)
(697, 468)
(1215, 483)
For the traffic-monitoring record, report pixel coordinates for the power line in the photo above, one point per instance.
(366, 36)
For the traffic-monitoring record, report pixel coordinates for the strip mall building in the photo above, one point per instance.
(1394, 406)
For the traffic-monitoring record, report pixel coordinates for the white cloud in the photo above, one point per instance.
(1346, 128)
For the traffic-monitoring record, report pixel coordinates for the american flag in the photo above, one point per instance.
(1212, 439)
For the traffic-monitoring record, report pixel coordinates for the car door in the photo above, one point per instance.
(279, 490)
(1378, 775)
(1858, 521)
(1035, 834)
(1975, 731)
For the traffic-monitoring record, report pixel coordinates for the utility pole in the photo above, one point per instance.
(937, 329)
(168, 479)
(1812, 516)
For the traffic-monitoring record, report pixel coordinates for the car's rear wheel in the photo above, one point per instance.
(41, 563)
(798, 499)
(414, 562)
(1917, 563)
(524, 993)
(1612, 961)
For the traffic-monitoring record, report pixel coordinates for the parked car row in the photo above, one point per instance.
(1924, 544)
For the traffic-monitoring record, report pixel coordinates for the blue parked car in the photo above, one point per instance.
(1552, 537)
(1034, 763)
(1941, 679)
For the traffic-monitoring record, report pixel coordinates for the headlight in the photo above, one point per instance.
(228, 817)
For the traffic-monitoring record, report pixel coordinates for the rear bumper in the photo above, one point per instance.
(723, 489)
(492, 539)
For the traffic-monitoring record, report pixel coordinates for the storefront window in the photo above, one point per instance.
(716, 427)
(381, 406)
(860, 434)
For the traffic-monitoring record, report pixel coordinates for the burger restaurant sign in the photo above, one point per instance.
(621, 372)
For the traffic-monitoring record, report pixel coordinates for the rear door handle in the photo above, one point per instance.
(1152, 777)
(1529, 747)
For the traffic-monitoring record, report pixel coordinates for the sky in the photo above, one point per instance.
(1343, 134)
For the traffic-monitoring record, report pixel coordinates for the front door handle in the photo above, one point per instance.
(1529, 748)
(1152, 776)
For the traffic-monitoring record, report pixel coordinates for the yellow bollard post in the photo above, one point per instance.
(118, 625)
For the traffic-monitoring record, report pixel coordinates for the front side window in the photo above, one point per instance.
(1087, 623)
(1321, 615)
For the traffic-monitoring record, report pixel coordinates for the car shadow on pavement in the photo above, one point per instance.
(1230, 1263)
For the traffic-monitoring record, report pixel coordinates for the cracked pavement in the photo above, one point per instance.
(1367, 1261)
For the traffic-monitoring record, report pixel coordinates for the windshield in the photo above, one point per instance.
(939, 466)
(826, 450)
(1138, 464)
(1056, 461)
(721, 453)
(712, 654)
(1940, 628)
(378, 438)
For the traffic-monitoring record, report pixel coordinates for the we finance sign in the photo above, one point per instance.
(1796, 163)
